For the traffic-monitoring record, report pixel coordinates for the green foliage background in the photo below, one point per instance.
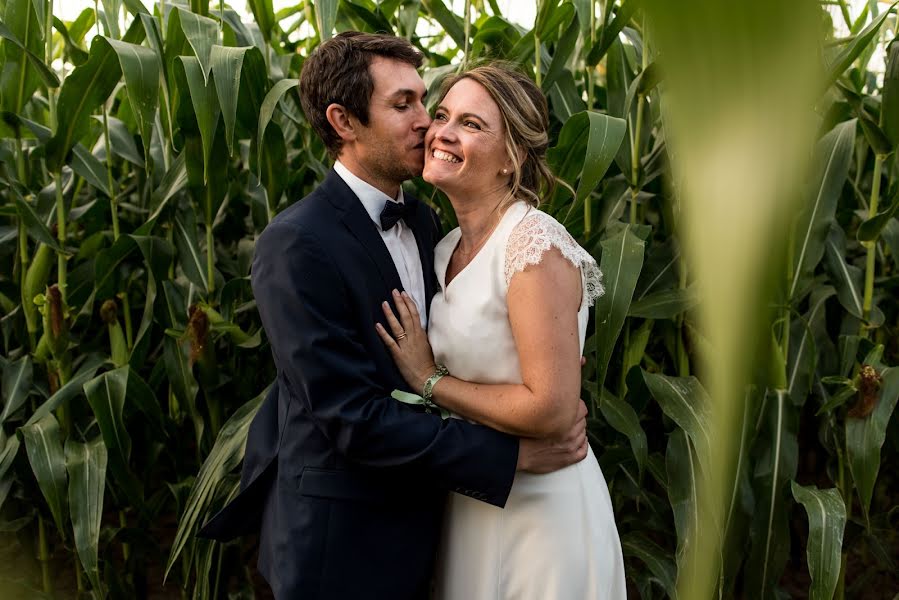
(138, 167)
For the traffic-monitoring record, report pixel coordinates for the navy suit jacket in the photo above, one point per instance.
(345, 484)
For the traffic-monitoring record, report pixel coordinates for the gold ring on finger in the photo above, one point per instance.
(401, 336)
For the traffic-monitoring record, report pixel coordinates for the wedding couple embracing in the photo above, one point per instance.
(355, 494)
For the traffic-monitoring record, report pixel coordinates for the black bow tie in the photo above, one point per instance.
(393, 212)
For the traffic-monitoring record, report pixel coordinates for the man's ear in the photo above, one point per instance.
(342, 122)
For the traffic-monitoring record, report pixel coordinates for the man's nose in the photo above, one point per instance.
(423, 119)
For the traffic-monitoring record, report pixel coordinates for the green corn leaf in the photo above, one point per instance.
(636, 348)
(889, 107)
(890, 235)
(622, 258)
(664, 304)
(191, 259)
(769, 531)
(826, 521)
(587, 146)
(683, 482)
(870, 229)
(44, 448)
(177, 368)
(565, 97)
(71, 389)
(735, 519)
(846, 278)
(555, 17)
(77, 54)
(86, 465)
(34, 225)
(241, 32)
(264, 16)
(842, 61)
(205, 104)
(174, 180)
(89, 166)
(271, 172)
(110, 15)
(495, 37)
(661, 270)
(83, 91)
(106, 395)
(271, 100)
(20, 79)
(10, 449)
(79, 28)
(645, 81)
(449, 21)
(865, 437)
(226, 66)
(201, 33)
(121, 142)
(141, 68)
(563, 51)
(158, 255)
(47, 76)
(610, 32)
(654, 557)
(106, 267)
(875, 136)
(226, 453)
(325, 18)
(685, 401)
(622, 417)
(83, 163)
(141, 396)
(17, 379)
(803, 356)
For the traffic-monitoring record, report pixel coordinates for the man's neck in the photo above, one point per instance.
(357, 168)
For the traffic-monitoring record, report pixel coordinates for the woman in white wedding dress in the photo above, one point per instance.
(511, 315)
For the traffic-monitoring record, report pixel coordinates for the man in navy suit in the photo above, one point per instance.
(345, 484)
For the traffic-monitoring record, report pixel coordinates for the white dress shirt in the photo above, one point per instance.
(399, 239)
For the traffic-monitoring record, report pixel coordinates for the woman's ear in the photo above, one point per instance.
(344, 125)
(509, 166)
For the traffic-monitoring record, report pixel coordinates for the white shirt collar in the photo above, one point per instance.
(371, 197)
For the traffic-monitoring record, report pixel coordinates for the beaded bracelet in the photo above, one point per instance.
(427, 391)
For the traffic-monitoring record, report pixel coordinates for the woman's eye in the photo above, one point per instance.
(472, 125)
(440, 117)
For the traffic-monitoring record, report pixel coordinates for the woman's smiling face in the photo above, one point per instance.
(465, 150)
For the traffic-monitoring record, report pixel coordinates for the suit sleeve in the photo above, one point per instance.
(302, 300)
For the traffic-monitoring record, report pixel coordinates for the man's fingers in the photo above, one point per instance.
(395, 327)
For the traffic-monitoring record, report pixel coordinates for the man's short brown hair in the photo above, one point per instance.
(337, 73)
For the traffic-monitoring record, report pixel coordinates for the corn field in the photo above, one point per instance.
(142, 151)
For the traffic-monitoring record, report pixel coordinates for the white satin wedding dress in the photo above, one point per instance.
(556, 538)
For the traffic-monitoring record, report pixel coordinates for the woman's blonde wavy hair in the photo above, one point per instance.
(526, 119)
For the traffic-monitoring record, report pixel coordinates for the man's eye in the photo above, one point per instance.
(401, 106)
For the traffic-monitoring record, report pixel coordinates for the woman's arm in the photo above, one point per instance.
(543, 302)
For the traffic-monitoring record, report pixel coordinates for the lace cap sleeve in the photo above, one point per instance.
(536, 234)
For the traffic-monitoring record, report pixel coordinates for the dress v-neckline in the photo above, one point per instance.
(443, 282)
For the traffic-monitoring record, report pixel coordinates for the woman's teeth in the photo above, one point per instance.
(445, 156)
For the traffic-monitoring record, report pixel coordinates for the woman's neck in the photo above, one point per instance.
(477, 214)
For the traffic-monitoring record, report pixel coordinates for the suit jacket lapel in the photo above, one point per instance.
(355, 218)
(423, 231)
